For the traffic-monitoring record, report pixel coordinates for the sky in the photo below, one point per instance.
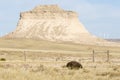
(100, 17)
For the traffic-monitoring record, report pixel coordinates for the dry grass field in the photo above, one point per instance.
(43, 60)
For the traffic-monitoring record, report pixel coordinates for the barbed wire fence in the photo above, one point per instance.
(91, 56)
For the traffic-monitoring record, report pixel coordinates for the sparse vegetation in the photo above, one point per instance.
(42, 71)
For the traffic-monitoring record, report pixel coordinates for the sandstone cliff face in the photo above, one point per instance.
(49, 22)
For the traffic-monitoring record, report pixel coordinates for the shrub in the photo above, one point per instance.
(74, 65)
(2, 59)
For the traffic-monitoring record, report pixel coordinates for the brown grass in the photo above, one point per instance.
(50, 65)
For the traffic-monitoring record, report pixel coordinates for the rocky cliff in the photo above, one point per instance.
(50, 22)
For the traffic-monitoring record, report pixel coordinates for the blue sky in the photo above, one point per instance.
(100, 17)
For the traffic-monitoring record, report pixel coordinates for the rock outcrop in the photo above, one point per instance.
(49, 22)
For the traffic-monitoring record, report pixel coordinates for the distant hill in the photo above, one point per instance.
(114, 40)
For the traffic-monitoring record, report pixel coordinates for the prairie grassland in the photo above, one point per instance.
(50, 65)
(46, 45)
(56, 71)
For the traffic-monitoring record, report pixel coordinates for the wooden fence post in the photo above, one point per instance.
(24, 56)
(93, 56)
(108, 56)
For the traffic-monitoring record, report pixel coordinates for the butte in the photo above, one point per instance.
(51, 23)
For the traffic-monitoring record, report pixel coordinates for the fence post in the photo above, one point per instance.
(93, 56)
(24, 56)
(108, 56)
